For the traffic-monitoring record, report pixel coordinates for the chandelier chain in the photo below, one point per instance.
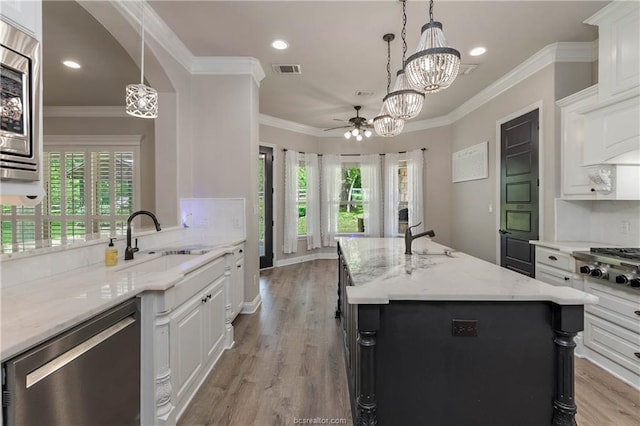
(388, 66)
(404, 31)
(431, 11)
(142, 45)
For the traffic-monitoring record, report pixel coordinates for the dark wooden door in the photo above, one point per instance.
(519, 193)
(265, 207)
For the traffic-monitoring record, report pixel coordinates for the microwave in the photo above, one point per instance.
(20, 105)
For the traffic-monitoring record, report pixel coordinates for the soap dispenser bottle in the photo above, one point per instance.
(111, 254)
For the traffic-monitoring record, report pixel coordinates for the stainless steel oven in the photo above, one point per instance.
(20, 98)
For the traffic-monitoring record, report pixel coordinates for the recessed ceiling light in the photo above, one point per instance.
(279, 44)
(477, 51)
(71, 64)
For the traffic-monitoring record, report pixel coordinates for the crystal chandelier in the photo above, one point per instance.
(384, 124)
(434, 66)
(141, 100)
(403, 102)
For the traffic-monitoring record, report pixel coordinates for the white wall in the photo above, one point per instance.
(473, 226)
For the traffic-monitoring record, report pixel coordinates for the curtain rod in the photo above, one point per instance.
(355, 155)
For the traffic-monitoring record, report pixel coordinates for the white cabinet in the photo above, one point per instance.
(554, 267)
(612, 330)
(575, 179)
(196, 331)
(575, 148)
(618, 47)
(26, 15)
(237, 281)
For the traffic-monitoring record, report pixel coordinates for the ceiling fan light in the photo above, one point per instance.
(359, 138)
(355, 132)
(367, 133)
(434, 65)
(403, 102)
(347, 135)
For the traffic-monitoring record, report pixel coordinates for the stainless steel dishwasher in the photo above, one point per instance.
(89, 375)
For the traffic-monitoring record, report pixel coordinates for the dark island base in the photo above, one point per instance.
(505, 363)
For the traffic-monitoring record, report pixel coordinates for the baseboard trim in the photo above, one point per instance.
(306, 258)
(251, 307)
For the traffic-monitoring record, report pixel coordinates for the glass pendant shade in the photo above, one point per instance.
(367, 133)
(403, 102)
(347, 135)
(434, 66)
(142, 101)
(387, 126)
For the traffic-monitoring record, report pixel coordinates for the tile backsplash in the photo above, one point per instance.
(609, 222)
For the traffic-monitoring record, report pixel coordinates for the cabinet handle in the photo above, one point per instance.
(567, 278)
(238, 266)
(553, 258)
(637, 313)
(593, 190)
(204, 299)
(637, 354)
(240, 250)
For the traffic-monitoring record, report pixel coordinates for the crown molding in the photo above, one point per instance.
(292, 126)
(117, 111)
(556, 52)
(429, 123)
(221, 65)
(92, 140)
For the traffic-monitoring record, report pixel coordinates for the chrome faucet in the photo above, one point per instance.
(128, 252)
(408, 238)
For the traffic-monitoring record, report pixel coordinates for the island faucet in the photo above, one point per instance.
(408, 238)
(128, 252)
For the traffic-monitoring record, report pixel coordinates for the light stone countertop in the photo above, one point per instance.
(381, 272)
(569, 246)
(35, 311)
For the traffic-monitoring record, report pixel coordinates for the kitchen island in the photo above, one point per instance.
(440, 337)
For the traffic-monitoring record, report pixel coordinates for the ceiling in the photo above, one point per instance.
(338, 45)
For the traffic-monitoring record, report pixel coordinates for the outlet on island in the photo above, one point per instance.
(464, 328)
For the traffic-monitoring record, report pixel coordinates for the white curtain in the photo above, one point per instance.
(372, 194)
(414, 192)
(314, 240)
(291, 165)
(391, 165)
(331, 183)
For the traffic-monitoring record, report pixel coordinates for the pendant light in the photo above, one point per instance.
(434, 66)
(403, 102)
(141, 100)
(384, 124)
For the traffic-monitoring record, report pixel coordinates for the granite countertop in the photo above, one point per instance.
(381, 272)
(35, 311)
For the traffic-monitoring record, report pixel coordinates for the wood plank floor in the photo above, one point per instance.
(288, 365)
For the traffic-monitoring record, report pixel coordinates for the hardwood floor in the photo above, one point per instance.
(288, 364)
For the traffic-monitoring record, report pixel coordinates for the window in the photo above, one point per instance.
(301, 197)
(351, 210)
(403, 197)
(89, 190)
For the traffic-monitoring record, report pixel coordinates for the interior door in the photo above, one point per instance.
(265, 206)
(519, 193)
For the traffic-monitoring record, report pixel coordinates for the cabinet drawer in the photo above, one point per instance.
(197, 280)
(238, 252)
(554, 258)
(553, 276)
(613, 342)
(617, 305)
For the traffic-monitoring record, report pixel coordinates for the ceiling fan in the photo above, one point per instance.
(359, 126)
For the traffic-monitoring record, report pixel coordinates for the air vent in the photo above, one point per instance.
(466, 69)
(287, 68)
(364, 93)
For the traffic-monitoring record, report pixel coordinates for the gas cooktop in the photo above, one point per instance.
(626, 253)
(619, 266)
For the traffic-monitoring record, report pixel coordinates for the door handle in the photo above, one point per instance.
(502, 231)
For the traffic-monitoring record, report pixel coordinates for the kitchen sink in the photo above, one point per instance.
(158, 263)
